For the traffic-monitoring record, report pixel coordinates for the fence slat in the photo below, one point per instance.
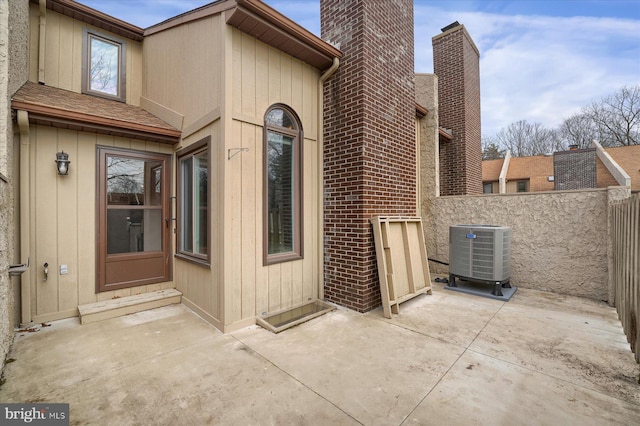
(625, 240)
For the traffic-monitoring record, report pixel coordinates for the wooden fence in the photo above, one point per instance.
(625, 217)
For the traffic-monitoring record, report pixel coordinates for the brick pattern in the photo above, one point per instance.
(456, 62)
(369, 139)
(575, 169)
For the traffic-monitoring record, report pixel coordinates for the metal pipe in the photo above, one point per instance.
(319, 137)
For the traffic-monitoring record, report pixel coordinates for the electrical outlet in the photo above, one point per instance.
(63, 270)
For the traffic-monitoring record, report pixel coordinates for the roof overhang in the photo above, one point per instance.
(94, 17)
(258, 20)
(421, 111)
(446, 134)
(90, 114)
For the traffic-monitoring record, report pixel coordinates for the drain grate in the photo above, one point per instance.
(290, 317)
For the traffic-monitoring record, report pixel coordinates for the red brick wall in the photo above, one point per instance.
(456, 62)
(369, 139)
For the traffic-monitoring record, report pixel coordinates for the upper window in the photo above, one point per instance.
(282, 185)
(487, 188)
(103, 66)
(193, 202)
(523, 186)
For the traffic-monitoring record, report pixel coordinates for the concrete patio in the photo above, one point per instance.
(448, 358)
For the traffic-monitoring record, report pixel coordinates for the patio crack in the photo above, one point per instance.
(255, 352)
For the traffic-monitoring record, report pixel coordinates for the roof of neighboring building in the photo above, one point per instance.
(538, 168)
(628, 157)
(62, 108)
(491, 170)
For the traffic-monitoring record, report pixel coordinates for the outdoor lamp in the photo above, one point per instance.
(62, 163)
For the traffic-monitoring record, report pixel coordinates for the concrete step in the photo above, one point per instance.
(93, 312)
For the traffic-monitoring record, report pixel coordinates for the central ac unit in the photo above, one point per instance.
(480, 253)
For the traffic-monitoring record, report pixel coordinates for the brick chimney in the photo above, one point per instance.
(575, 169)
(369, 139)
(456, 62)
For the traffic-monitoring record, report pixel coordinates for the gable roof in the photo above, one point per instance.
(266, 24)
(538, 168)
(628, 157)
(62, 108)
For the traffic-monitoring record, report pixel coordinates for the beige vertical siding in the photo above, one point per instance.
(262, 76)
(63, 54)
(182, 68)
(63, 220)
(201, 287)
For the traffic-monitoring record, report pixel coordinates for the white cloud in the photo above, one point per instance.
(538, 68)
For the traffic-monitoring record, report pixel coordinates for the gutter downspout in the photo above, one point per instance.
(503, 173)
(320, 131)
(42, 40)
(25, 213)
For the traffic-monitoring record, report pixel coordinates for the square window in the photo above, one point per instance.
(103, 66)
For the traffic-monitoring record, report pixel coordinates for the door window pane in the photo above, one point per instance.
(125, 181)
(133, 230)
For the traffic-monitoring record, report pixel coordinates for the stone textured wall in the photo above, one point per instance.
(369, 139)
(14, 39)
(559, 239)
(456, 62)
(427, 96)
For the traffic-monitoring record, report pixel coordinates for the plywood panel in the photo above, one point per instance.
(402, 260)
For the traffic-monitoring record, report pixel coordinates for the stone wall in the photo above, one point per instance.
(559, 243)
(14, 56)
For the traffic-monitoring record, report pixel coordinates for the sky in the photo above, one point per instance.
(540, 60)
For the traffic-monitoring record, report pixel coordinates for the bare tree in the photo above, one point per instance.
(580, 130)
(617, 117)
(525, 139)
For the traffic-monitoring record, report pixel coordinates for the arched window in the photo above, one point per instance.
(282, 185)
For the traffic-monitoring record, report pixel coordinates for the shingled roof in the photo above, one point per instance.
(70, 110)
